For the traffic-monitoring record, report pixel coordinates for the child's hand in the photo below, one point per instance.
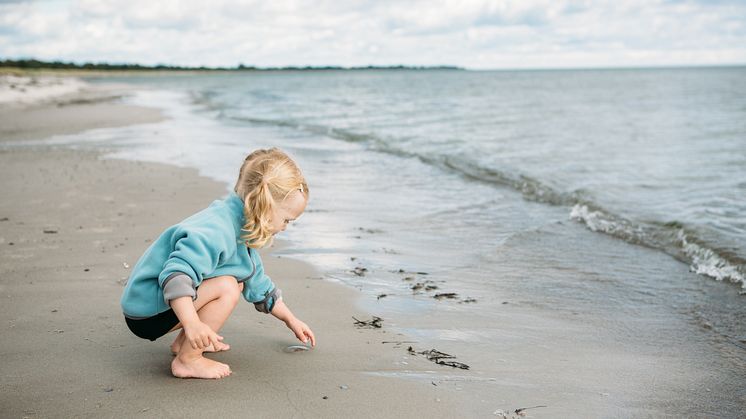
(301, 330)
(200, 335)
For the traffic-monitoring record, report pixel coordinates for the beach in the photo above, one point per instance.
(72, 226)
(551, 319)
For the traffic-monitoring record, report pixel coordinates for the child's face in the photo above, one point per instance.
(288, 211)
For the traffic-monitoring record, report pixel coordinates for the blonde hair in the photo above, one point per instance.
(267, 177)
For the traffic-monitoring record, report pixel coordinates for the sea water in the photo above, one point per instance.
(612, 202)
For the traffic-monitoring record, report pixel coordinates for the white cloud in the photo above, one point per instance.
(471, 33)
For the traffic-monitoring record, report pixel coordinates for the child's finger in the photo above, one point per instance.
(309, 333)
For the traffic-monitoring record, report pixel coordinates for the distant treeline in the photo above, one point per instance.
(60, 65)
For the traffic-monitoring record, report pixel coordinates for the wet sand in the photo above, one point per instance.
(71, 225)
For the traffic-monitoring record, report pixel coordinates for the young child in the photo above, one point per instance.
(190, 278)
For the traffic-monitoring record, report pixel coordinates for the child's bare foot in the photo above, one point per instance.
(199, 367)
(219, 348)
(177, 343)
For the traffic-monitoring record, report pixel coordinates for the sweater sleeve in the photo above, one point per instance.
(196, 253)
(260, 290)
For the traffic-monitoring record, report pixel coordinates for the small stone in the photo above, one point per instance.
(108, 389)
(343, 387)
(126, 265)
(54, 311)
(325, 397)
(86, 270)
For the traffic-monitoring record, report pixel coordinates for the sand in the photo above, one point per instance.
(49, 114)
(71, 226)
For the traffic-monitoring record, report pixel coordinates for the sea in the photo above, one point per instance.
(474, 209)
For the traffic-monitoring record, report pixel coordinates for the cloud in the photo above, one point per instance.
(471, 33)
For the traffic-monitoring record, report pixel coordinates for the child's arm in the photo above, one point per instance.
(197, 333)
(301, 330)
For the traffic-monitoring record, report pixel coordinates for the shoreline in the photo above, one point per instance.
(523, 354)
(73, 223)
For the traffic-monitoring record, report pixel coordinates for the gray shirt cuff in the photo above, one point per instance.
(178, 285)
(265, 306)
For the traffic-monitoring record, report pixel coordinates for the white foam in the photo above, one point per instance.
(607, 223)
(707, 262)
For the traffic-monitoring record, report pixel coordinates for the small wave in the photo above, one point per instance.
(671, 238)
(600, 221)
(705, 261)
(318, 129)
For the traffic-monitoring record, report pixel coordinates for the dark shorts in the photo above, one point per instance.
(153, 327)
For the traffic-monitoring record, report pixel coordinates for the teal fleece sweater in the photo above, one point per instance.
(206, 245)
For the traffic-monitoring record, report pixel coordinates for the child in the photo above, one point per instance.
(190, 278)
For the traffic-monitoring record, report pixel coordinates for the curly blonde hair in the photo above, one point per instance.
(267, 177)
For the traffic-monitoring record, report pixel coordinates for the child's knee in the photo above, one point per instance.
(229, 288)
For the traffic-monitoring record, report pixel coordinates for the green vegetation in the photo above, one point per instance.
(31, 64)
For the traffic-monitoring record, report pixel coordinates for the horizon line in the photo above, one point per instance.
(102, 65)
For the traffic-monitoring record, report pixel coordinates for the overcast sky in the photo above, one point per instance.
(472, 33)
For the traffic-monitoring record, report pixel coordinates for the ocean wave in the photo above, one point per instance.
(672, 238)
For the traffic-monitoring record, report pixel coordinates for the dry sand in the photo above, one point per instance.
(70, 113)
(72, 223)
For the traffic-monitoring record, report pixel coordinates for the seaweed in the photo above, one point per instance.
(449, 295)
(360, 271)
(374, 323)
(438, 357)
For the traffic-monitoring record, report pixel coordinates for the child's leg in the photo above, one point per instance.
(216, 299)
(203, 315)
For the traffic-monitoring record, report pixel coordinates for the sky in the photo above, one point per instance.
(475, 34)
